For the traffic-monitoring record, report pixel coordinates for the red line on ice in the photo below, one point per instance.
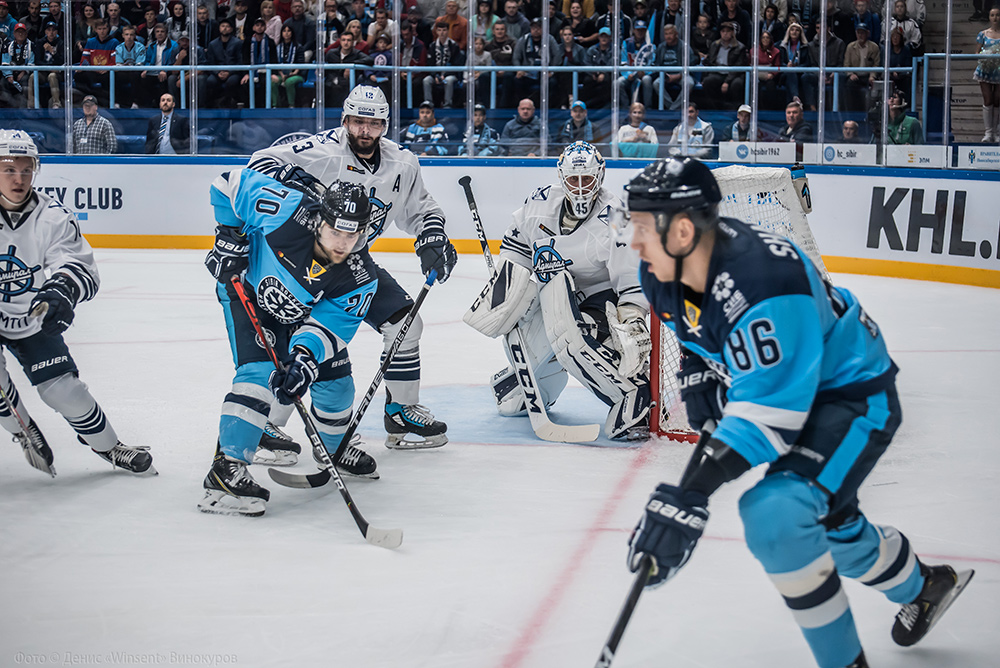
(533, 628)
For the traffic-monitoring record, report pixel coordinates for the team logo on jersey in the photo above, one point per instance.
(542, 194)
(358, 270)
(315, 271)
(548, 262)
(271, 338)
(16, 278)
(692, 315)
(722, 288)
(380, 212)
(290, 138)
(277, 300)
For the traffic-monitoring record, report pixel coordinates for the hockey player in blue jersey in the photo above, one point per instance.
(786, 370)
(300, 257)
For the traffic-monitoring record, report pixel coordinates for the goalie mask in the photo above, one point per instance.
(346, 208)
(581, 172)
(18, 144)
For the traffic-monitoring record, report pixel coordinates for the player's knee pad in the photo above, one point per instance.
(67, 395)
(411, 341)
(504, 301)
(781, 521)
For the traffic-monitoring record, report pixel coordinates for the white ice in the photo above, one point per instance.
(514, 549)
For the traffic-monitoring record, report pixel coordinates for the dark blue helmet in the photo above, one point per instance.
(676, 185)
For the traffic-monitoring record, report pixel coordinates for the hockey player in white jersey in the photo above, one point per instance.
(575, 295)
(357, 151)
(41, 238)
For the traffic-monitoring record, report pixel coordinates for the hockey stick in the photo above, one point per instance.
(388, 538)
(320, 478)
(611, 646)
(513, 342)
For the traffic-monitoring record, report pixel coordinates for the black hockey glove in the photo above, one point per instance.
(702, 390)
(59, 295)
(670, 527)
(230, 254)
(437, 252)
(294, 176)
(298, 373)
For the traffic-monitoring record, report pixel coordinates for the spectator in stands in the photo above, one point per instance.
(422, 28)
(838, 21)
(731, 12)
(98, 51)
(354, 27)
(273, 22)
(796, 129)
(596, 87)
(56, 15)
(426, 137)
(917, 10)
(556, 20)
(606, 20)
(18, 90)
(987, 74)
(288, 53)
(849, 133)
(382, 25)
(798, 85)
(338, 81)
(637, 138)
(222, 86)
(781, 9)
(128, 84)
(7, 22)
(484, 20)
(160, 52)
(485, 140)
(863, 15)
(35, 22)
(458, 25)
(835, 49)
(670, 53)
(702, 36)
(770, 22)
(206, 28)
(413, 53)
(443, 52)
(480, 58)
(83, 29)
(723, 87)
(183, 57)
(860, 53)
(381, 55)
(903, 128)
(257, 51)
(358, 13)
(578, 127)
(177, 19)
(241, 29)
(636, 84)
(571, 54)
(643, 13)
(589, 7)
(134, 12)
(584, 30)
(912, 37)
(740, 130)
(899, 56)
(517, 24)
(522, 135)
(49, 52)
(116, 22)
(769, 55)
(673, 15)
(145, 32)
(528, 53)
(501, 48)
(167, 133)
(304, 30)
(93, 134)
(700, 133)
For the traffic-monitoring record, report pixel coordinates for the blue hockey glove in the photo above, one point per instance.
(59, 295)
(702, 390)
(230, 254)
(436, 252)
(298, 373)
(294, 176)
(670, 527)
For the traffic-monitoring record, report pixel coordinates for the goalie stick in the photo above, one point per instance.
(513, 342)
(320, 478)
(388, 538)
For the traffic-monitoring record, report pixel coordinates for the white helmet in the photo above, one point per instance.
(578, 161)
(366, 102)
(18, 144)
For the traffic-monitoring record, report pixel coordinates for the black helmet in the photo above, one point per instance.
(346, 207)
(673, 185)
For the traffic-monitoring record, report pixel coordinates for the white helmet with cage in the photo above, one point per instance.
(366, 102)
(581, 172)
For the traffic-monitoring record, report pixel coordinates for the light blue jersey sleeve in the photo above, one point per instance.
(334, 321)
(249, 200)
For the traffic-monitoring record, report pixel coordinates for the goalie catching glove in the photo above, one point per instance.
(56, 299)
(668, 532)
(296, 375)
(436, 252)
(630, 337)
(230, 255)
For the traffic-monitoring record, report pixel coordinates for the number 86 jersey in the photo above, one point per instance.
(781, 337)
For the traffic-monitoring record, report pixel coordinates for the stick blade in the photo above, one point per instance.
(567, 433)
(390, 539)
(299, 480)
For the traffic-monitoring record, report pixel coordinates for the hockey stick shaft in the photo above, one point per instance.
(466, 183)
(611, 646)
(375, 536)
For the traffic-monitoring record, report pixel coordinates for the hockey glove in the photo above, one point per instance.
(670, 527)
(630, 337)
(702, 390)
(59, 295)
(230, 254)
(298, 373)
(294, 176)
(436, 251)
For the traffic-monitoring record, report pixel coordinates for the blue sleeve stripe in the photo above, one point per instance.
(781, 418)
(757, 443)
(315, 340)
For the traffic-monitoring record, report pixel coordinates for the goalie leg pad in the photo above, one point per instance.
(69, 396)
(505, 300)
(574, 345)
(629, 418)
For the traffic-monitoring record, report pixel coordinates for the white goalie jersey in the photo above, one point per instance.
(41, 240)
(594, 259)
(395, 187)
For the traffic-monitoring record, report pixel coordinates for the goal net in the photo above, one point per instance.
(762, 196)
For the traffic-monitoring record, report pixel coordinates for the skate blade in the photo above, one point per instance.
(359, 476)
(275, 458)
(220, 503)
(37, 461)
(410, 441)
(963, 578)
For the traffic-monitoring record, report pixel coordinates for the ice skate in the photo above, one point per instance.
(36, 449)
(942, 585)
(276, 448)
(231, 490)
(354, 461)
(134, 459)
(412, 427)
(860, 662)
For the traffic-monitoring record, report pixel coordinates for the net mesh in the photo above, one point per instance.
(762, 196)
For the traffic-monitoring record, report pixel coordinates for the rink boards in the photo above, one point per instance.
(940, 225)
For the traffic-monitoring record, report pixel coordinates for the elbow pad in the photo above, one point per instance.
(713, 465)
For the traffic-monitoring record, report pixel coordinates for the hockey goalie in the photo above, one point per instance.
(573, 294)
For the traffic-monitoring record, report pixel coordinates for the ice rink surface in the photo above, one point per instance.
(514, 550)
